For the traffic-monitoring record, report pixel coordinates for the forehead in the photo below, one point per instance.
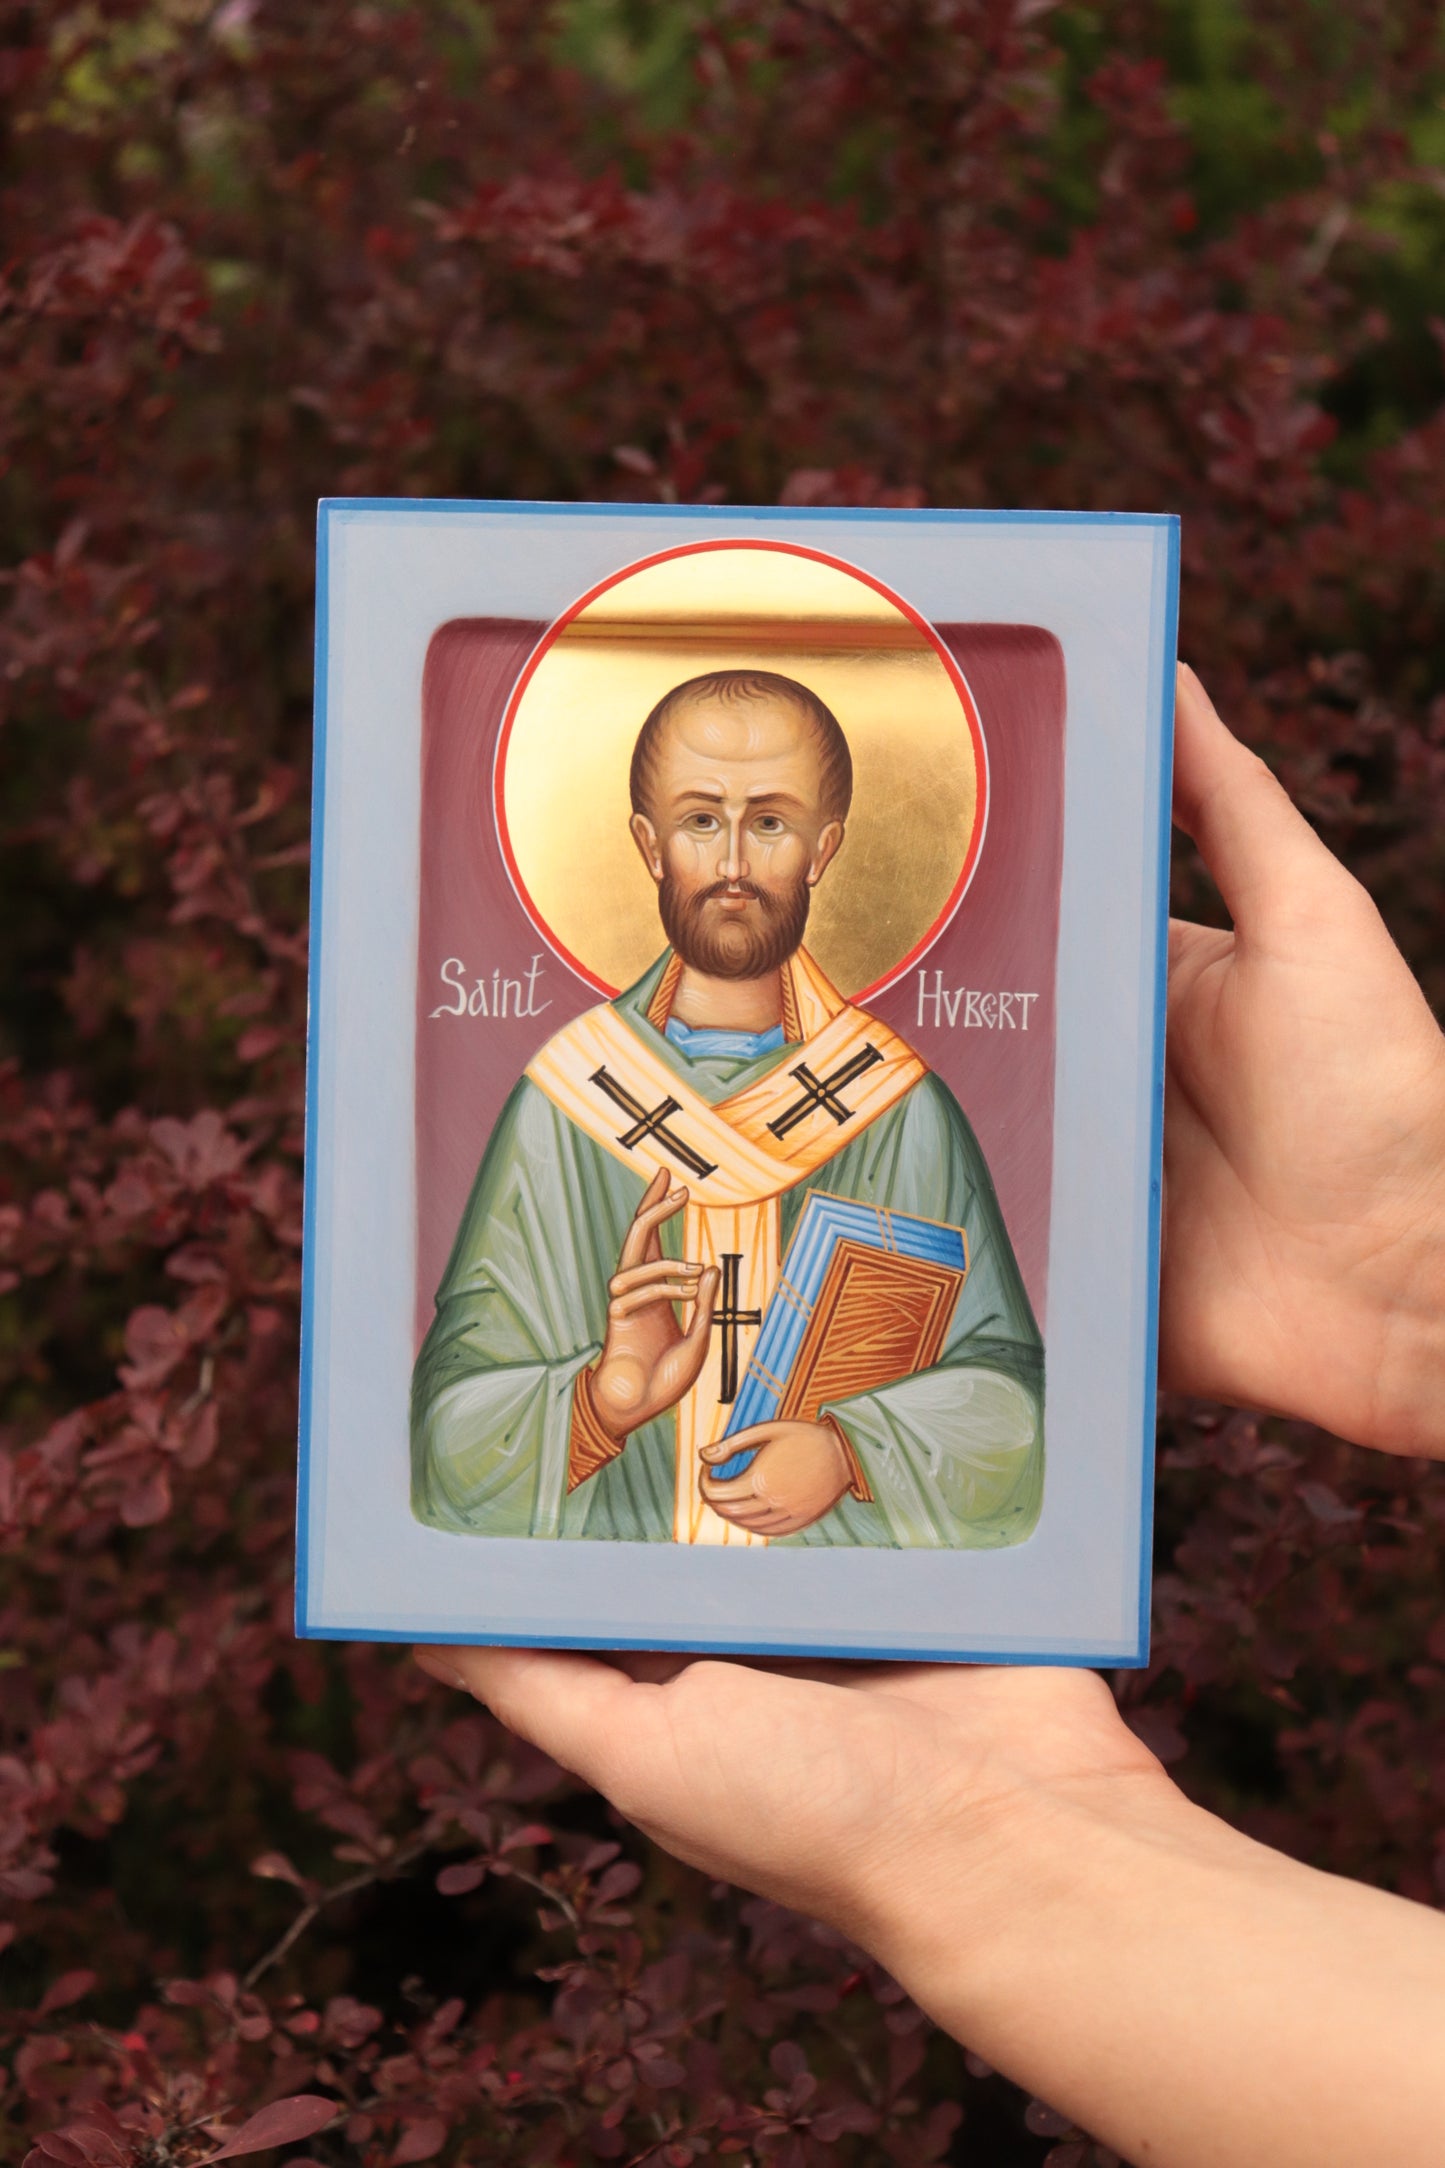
(729, 739)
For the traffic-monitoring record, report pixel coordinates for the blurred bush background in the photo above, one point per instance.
(1182, 256)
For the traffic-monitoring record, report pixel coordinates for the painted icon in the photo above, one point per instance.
(734, 1268)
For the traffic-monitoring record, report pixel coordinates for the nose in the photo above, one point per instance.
(733, 865)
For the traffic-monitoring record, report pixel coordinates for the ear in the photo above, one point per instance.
(644, 835)
(826, 849)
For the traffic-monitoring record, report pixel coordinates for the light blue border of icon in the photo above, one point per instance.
(1159, 757)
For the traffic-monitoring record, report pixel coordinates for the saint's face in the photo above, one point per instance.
(735, 835)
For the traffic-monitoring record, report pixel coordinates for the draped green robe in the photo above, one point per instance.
(953, 1455)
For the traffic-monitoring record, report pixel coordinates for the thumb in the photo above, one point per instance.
(574, 1707)
(1260, 850)
(724, 1448)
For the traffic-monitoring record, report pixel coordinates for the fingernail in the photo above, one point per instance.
(436, 1667)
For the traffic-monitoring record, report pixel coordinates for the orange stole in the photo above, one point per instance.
(736, 1208)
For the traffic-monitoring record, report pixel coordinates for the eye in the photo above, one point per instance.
(769, 824)
(701, 824)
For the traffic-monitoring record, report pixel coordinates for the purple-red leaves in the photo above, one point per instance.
(872, 253)
(419, 2141)
(284, 2122)
(70, 1987)
(467, 1875)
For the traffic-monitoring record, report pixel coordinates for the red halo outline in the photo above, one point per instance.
(789, 549)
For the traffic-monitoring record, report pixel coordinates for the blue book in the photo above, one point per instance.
(865, 1298)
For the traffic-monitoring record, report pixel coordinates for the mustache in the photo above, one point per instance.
(738, 888)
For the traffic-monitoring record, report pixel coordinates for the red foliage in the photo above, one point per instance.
(979, 251)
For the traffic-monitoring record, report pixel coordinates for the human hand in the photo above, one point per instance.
(648, 1362)
(1304, 1127)
(797, 1473)
(1006, 1847)
(849, 1791)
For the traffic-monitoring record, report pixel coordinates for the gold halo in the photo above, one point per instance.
(919, 766)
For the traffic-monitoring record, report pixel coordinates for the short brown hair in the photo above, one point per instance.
(733, 687)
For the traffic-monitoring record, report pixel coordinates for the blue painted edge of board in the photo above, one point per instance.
(313, 1056)
(910, 515)
(1168, 659)
(891, 1653)
(329, 508)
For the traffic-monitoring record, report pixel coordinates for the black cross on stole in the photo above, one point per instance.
(653, 1123)
(728, 1317)
(823, 1091)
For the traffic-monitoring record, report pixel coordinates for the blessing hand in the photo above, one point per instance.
(798, 1472)
(648, 1362)
(1304, 1127)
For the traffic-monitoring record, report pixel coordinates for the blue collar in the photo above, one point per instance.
(731, 1045)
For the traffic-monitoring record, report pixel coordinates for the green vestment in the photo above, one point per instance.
(953, 1455)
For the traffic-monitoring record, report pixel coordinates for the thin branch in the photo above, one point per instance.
(553, 1896)
(352, 1887)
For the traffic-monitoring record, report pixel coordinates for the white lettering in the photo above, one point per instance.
(944, 1003)
(494, 996)
(532, 976)
(983, 1009)
(453, 963)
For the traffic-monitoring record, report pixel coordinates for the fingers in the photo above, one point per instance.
(655, 1270)
(695, 1339)
(735, 1492)
(681, 1367)
(733, 1488)
(1259, 849)
(661, 1279)
(573, 1707)
(627, 1306)
(741, 1441)
(756, 1517)
(761, 1516)
(659, 1203)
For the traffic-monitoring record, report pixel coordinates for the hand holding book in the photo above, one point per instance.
(865, 1298)
(792, 1473)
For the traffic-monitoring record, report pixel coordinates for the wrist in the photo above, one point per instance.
(992, 1894)
(854, 1481)
(1411, 1387)
(592, 1443)
(1179, 1990)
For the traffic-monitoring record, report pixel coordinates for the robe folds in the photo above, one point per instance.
(952, 1455)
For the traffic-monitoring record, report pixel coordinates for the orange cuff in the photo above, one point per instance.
(591, 1446)
(858, 1484)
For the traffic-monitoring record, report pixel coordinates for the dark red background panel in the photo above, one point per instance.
(1003, 937)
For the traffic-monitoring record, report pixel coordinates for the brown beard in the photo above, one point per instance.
(728, 949)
